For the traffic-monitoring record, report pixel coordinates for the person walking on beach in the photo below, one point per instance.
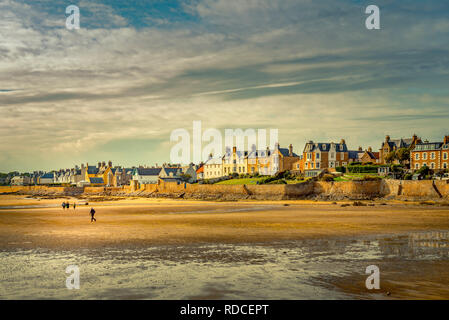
(74, 206)
(92, 213)
(63, 206)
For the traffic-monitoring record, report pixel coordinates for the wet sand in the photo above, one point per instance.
(287, 239)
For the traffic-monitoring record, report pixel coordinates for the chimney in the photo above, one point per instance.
(446, 139)
(290, 150)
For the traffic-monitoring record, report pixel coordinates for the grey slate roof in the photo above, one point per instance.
(96, 180)
(92, 170)
(148, 171)
(325, 147)
(285, 152)
(48, 175)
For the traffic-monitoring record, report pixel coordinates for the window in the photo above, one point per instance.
(297, 166)
(342, 156)
(344, 164)
(432, 156)
(417, 166)
(312, 165)
(445, 165)
(416, 156)
(317, 155)
(332, 155)
(424, 156)
(317, 165)
(432, 165)
(445, 156)
(424, 164)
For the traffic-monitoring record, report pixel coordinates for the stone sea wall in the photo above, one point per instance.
(389, 189)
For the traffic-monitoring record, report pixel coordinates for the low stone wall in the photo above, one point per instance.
(312, 189)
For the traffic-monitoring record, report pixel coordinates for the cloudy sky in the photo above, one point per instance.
(136, 70)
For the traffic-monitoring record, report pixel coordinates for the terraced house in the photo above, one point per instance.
(98, 175)
(271, 161)
(235, 162)
(434, 155)
(320, 156)
(390, 145)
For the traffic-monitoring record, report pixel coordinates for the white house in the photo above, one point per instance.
(47, 178)
(146, 175)
(20, 181)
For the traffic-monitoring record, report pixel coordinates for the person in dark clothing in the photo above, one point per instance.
(92, 213)
(74, 206)
(63, 206)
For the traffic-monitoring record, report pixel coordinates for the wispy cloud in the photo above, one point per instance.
(137, 70)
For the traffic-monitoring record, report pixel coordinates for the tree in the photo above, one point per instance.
(186, 177)
(389, 158)
(403, 155)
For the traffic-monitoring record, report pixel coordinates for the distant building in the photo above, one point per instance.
(21, 180)
(235, 162)
(368, 156)
(213, 168)
(200, 172)
(320, 156)
(47, 178)
(146, 175)
(434, 155)
(170, 174)
(390, 145)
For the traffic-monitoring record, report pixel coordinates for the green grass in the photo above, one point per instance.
(240, 181)
(352, 176)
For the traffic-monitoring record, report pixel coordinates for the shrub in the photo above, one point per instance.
(340, 169)
(327, 177)
(362, 169)
(408, 176)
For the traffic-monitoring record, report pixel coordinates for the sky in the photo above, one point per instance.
(136, 70)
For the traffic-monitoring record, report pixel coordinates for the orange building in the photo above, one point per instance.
(434, 155)
(319, 156)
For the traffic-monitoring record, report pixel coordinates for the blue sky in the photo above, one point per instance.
(136, 70)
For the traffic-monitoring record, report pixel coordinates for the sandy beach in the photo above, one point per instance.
(197, 229)
(141, 221)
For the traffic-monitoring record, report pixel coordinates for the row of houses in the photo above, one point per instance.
(319, 156)
(315, 157)
(105, 174)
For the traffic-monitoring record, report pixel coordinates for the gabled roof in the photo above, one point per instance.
(325, 147)
(353, 154)
(172, 170)
(213, 161)
(48, 175)
(286, 152)
(96, 180)
(200, 169)
(148, 171)
(92, 170)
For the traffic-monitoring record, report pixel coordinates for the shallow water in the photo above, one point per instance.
(284, 270)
